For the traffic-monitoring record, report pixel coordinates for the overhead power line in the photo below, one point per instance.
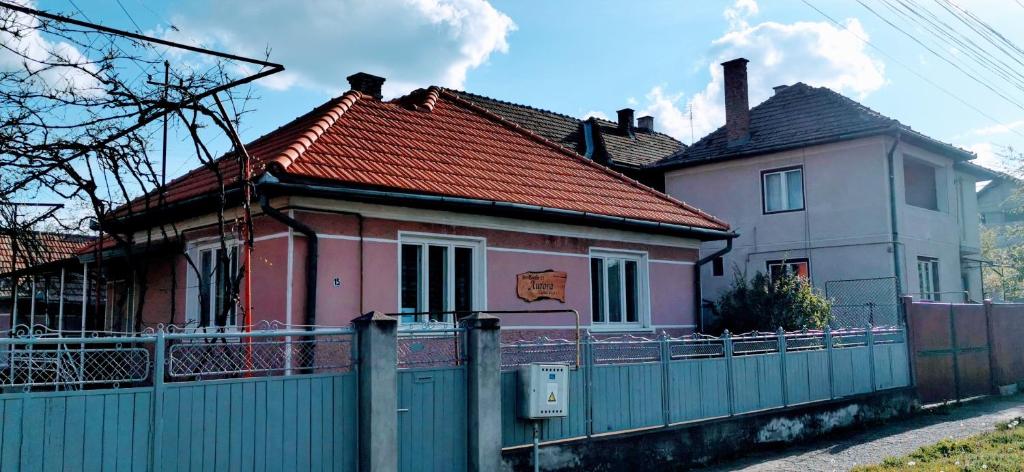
(909, 69)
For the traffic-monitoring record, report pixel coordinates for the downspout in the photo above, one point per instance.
(894, 220)
(311, 256)
(698, 296)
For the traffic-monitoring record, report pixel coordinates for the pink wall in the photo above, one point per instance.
(374, 286)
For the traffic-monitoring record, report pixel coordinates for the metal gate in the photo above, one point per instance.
(432, 428)
(857, 303)
(951, 350)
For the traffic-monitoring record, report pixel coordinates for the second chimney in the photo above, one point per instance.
(626, 120)
(368, 84)
(645, 123)
(737, 108)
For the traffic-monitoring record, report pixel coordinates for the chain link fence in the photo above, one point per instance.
(857, 303)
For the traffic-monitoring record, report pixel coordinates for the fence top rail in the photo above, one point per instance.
(87, 340)
(262, 334)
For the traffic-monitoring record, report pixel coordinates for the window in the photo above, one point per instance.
(618, 288)
(718, 266)
(439, 275)
(920, 181)
(213, 291)
(800, 267)
(782, 190)
(928, 278)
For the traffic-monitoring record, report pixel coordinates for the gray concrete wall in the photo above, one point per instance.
(702, 443)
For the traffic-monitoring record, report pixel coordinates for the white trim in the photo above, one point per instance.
(345, 237)
(270, 236)
(509, 327)
(494, 222)
(666, 261)
(290, 276)
(535, 251)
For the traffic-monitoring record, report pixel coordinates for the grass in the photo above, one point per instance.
(999, 450)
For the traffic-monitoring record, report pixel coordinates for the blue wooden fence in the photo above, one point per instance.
(630, 383)
(432, 419)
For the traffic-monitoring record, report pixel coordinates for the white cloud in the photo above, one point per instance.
(1002, 128)
(410, 42)
(669, 118)
(988, 156)
(595, 114)
(30, 51)
(816, 53)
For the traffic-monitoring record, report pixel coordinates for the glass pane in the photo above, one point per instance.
(614, 274)
(235, 281)
(437, 281)
(632, 289)
(773, 192)
(597, 290)
(795, 190)
(410, 277)
(205, 272)
(220, 285)
(463, 279)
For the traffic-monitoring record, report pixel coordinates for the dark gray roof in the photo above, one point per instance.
(640, 149)
(801, 115)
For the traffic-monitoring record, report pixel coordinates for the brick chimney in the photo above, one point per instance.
(626, 121)
(737, 108)
(645, 123)
(367, 83)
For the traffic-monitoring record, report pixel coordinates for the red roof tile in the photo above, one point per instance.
(434, 142)
(40, 248)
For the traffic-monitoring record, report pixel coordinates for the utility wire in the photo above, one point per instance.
(910, 69)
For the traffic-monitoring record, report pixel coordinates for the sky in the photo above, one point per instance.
(595, 57)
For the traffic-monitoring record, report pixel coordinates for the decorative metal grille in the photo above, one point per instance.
(625, 349)
(857, 303)
(240, 353)
(427, 348)
(805, 341)
(849, 338)
(71, 367)
(696, 346)
(755, 343)
(540, 350)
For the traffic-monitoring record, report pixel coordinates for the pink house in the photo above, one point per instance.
(426, 203)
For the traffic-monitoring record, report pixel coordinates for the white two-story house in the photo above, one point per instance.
(820, 184)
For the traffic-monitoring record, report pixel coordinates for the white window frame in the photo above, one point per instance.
(192, 304)
(479, 247)
(784, 182)
(643, 290)
(928, 266)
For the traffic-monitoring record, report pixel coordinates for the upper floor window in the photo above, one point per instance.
(618, 288)
(800, 267)
(921, 184)
(783, 189)
(213, 286)
(439, 275)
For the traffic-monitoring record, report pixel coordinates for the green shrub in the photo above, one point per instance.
(763, 303)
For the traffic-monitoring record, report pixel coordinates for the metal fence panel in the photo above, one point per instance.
(698, 389)
(518, 432)
(807, 378)
(757, 382)
(432, 420)
(859, 302)
(851, 371)
(626, 397)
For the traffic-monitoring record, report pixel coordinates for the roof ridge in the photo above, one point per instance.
(506, 102)
(542, 140)
(304, 141)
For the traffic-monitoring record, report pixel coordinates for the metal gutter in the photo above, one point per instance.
(698, 297)
(312, 249)
(270, 183)
(893, 219)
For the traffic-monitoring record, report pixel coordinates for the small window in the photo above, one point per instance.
(618, 294)
(928, 278)
(216, 287)
(920, 181)
(437, 277)
(799, 267)
(782, 190)
(718, 267)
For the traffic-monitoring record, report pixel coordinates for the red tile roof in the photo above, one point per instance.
(40, 248)
(434, 142)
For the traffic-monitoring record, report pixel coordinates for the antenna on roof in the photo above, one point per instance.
(690, 106)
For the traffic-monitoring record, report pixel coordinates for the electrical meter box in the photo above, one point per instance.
(543, 391)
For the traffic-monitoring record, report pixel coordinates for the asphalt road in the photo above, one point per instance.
(842, 451)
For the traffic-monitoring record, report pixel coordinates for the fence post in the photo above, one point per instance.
(869, 339)
(727, 350)
(588, 381)
(908, 335)
(831, 373)
(666, 355)
(992, 364)
(483, 374)
(376, 338)
(782, 366)
(156, 440)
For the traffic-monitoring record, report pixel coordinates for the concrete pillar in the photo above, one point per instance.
(378, 391)
(483, 374)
